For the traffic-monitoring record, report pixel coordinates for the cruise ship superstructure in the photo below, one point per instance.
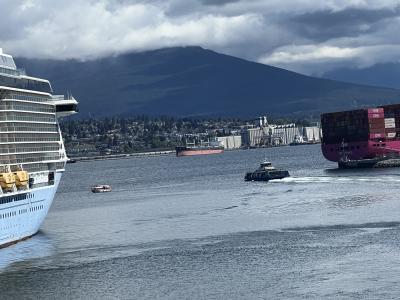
(32, 154)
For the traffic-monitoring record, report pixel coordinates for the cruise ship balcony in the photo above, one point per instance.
(65, 105)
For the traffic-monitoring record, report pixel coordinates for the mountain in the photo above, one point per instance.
(383, 75)
(192, 81)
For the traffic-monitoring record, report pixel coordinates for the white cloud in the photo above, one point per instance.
(320, 58)
(298, 34)
(91, 30)
(309, 53)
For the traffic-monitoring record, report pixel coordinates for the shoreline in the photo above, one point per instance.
(153, 153)
(119, 156)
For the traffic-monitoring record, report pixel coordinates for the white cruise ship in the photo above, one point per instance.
(32, 154)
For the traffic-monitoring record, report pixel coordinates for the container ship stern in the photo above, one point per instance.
(363, 134)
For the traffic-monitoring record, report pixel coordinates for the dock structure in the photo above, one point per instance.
(389, 163)
(378, 162)
(119, 156)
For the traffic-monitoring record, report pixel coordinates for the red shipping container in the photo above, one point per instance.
(373, 117)
(377, 130)
(376, 121)
(390, 130)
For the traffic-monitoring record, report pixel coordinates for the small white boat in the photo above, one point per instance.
(101, 188)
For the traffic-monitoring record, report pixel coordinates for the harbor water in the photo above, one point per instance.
(192, 228)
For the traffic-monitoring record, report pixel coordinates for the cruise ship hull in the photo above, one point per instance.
(21, 219)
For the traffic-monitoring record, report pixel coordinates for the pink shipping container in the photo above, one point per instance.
(376, 116)
(375, 110)
(376, 135)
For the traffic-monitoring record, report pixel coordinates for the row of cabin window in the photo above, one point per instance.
(31, 137)
(25, 84)
(6, 127)
(32, 107)
(37, 167)
(8, 199)
(20, 149)
(27, 158)
(27, 96)
(7, 215)
(35, 208)
(21, 116)
(21, 211)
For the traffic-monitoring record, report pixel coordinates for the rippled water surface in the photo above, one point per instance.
(191, 228)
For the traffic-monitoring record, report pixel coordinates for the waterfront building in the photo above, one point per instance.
(230, 142)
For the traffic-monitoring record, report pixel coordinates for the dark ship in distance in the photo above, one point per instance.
(202, 148)
(266, 172)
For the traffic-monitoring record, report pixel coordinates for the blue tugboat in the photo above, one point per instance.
(266, 172)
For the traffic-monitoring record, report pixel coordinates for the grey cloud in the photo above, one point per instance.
(328, 24)
(218, 2)
(269, 31)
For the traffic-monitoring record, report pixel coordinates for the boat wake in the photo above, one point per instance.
(332, 179)
(372, 225)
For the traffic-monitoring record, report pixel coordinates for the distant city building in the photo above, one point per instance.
(263, 122)
(311, 134)
(252, 137)
(230, 142)
(266, 134)
(286, 134)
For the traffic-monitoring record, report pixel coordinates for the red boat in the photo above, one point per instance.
(190, 151)
(198, 150)
(361, 134)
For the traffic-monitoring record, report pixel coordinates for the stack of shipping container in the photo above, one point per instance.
(347, 125)
(392, 121)
(366, 133)
(361, 125)
(376, 123)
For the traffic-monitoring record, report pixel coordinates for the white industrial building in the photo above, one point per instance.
(273, 135)
(253, 137)
(311, 134)
(230, 142)
(286, 134)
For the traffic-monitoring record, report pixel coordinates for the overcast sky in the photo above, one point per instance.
(309, 36)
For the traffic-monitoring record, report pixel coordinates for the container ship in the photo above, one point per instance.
(361, 135)
(202, 149)
(32, 153)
